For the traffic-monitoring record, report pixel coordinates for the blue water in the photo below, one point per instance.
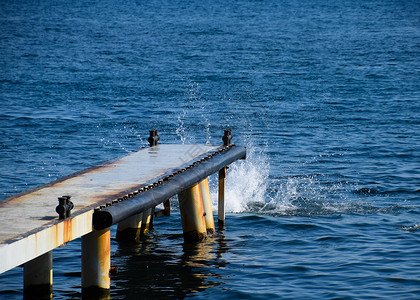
(324, 94)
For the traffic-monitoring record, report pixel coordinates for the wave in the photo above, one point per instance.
(411, 228)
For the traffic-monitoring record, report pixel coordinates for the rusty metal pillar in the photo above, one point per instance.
(146, 223)
(227, 141)
(152, 217)
(129, 229)
(221, 204)
(192, 214)
(96, 262)
(208, 211)
(167, 207)
(38, 277)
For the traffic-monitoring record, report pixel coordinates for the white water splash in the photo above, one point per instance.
(283, 195)
(180, 130)
(120, 136)
(193, 114)
(251, 189)
(246, 182)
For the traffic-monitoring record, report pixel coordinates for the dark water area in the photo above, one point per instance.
(324, 94)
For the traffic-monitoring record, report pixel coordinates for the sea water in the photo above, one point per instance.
(324, 94)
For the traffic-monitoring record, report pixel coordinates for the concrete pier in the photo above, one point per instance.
(123, 191)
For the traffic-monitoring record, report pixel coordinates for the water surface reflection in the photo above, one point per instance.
(164, 266)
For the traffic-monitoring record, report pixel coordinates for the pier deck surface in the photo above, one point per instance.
(29, 224)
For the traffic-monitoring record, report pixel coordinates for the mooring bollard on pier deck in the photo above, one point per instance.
(124, 191)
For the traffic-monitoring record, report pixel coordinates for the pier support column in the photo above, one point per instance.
(129, 229)
(96, 262)
(192, 214)
(167, 207)
(166, 210)
(221, 206)
(208, 211)
(38, 277)
(146, 223)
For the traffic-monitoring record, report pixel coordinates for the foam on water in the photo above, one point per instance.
(247, 181)
(411, 228)
(251, 189)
